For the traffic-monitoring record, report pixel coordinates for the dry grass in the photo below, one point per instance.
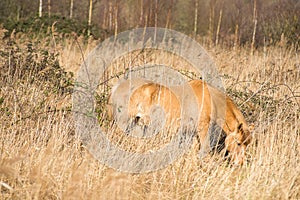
(41, 158)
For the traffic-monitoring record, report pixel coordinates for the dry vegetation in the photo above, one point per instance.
(41, 157)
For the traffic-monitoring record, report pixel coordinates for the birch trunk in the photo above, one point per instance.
(155, 19)
(196, 18)
(41, 8)
(255, 25)
(116, 20)
(169, 16)
(211, 21)
(90, 17)
(49, 8)
(71, 9)
(110, 23)
(219, 26)
(142, 12)
(236, 36)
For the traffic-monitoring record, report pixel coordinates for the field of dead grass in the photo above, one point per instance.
(41, 157)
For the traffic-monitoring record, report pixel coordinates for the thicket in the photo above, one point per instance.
(32, 63)
(41, 26)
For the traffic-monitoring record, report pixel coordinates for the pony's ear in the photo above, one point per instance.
(251, 127)
(240, 127)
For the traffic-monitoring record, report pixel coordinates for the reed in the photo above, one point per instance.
(42, 158)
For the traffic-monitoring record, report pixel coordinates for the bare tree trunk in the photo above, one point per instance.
(142, 12)
(238, 22)
(169, 16)
(104, 23)
(116, 19)
(90, 17)
(71, 8)
(41, 8)
(18, 12)
(219, 24)
(49, 8)
(196, 18)
(236, 35)
(155, 14)
(155, 19)
(146, 21)
(150, 20)
(110, 16)
(211, 21)
(255, 25)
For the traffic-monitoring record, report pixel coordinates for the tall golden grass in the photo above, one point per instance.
(41, 157)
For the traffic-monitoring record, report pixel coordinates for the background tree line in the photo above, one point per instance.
(228, 22)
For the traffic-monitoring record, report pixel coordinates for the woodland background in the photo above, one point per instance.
(230, 22)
